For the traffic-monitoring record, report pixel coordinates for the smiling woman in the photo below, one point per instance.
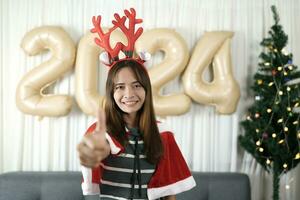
(127, 154)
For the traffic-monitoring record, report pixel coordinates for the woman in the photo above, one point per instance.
(131, 155)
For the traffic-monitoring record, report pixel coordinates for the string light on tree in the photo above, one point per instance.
(280, 120)
(269, 110)
(281, 141)
(285, 165)
(261, 149)
(258, 143)
(284, 52)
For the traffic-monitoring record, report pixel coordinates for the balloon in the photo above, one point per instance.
(88, 53)
(213, 47)
(174, 62)
(29, 95)
(223, 91)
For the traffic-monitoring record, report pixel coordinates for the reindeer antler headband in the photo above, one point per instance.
(111, 56)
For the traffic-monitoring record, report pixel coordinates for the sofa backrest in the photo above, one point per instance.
(66, 186)
(218, 186)
(40, 186)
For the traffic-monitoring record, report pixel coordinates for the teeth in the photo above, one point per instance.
(130, 102)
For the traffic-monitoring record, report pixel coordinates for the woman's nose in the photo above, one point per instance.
(129, 93)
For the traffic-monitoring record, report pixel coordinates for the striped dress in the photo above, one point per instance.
(126, 175)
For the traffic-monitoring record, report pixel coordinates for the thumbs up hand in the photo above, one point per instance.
(94, 147)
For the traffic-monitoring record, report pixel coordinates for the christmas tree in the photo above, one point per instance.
(272, 134)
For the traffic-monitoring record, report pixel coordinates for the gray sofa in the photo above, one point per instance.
(66, 186)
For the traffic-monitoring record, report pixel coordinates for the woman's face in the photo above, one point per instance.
(129, 94)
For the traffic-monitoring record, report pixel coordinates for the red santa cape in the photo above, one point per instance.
(171, 176)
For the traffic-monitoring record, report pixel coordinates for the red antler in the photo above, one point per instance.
(103, 40)
(130, 33)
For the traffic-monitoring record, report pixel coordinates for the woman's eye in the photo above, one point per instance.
(137, 86)
(119, 87)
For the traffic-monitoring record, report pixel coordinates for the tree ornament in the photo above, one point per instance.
(265, 136)
(274, 72)
(257, 98)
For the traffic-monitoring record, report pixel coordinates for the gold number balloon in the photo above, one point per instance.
(174, 62)
(29, 95)
(88, 52)
(213, 47)
(223, 92)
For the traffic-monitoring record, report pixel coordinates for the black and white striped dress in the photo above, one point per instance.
(126, 176)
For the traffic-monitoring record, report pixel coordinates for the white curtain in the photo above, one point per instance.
(208, 140)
